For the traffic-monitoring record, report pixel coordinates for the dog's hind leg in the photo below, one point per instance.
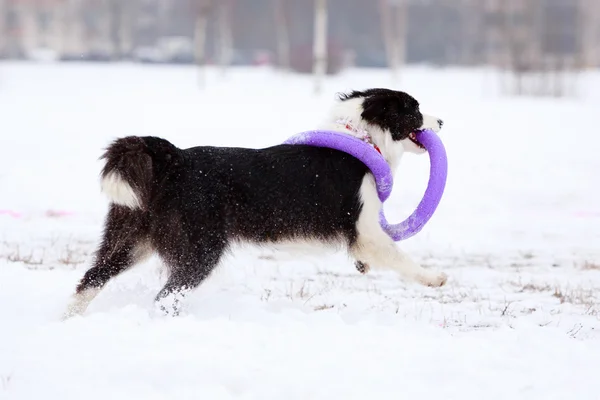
(188, 267)
(123, 244)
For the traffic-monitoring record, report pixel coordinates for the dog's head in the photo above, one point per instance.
(390, 117)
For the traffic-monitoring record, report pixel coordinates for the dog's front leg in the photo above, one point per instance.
(374, 249)
(382, 253)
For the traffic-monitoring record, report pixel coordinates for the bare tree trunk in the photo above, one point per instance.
(590, 33)
(115, 11)
(3, 30)
(595, 35)
(225, 35)
(394, 32)
(126, 35)
(585, 33)
(401, 33)
(71, 37)
(470, 31)
(320, 44)
(282, 34)
(386, 33)
(515, 44)
(202, 10)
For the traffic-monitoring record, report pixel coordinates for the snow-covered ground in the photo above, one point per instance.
(518, 232)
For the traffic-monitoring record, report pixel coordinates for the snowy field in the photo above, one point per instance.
(518, 233)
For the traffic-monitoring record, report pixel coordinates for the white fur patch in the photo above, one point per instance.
(80, 302)
(368, 220)
(119, 191)
(431, 122)
(351, 110)
(378, 251)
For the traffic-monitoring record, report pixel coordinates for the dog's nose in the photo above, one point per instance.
(440, 123)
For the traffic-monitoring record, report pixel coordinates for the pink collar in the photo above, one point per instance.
(358, 133)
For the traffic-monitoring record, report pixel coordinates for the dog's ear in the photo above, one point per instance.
(385, 112)
(377, 107)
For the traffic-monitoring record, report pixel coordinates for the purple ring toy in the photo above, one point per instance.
(438, 170)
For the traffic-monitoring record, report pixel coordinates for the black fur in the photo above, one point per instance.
(395, 111)
(195, 202)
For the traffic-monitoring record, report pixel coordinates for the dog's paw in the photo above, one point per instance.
(362, 267)
(168, 306)
(433, 279)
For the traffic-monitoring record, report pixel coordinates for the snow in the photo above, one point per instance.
(517, 232)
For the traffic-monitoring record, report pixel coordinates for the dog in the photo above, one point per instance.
(190, 205)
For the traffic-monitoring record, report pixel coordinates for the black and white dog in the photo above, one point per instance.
(189, 205)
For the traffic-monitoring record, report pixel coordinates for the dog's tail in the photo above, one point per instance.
(130, 168)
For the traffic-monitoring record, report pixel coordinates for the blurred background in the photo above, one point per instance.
(546, 38)
(76, 74)
(517, 83)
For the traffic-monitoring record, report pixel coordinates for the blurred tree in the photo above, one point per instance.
(386, 33)
(320, 44)
(202, 10)
(394, 32)
(541, 39)
(121, 15)
(282, 33)
(590, 33)
(225, 33)
(3, 30)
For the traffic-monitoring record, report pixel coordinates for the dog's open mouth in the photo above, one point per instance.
(413, 138)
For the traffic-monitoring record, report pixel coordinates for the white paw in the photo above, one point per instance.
(68, 315)
(433, 279)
